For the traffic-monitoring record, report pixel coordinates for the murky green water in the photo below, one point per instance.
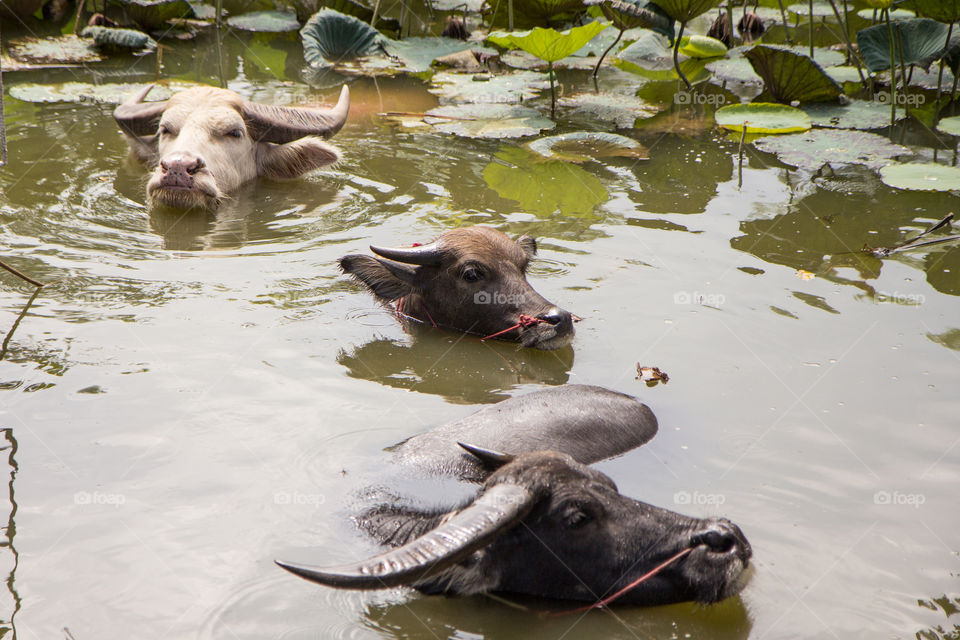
(195, 395)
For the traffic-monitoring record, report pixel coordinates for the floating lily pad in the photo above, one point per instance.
(919, 41)
(544, 187)
(843, 74)
(734, 69)
(86, 93)
(790, 76)
(686, 10)
(622, 110)
(950, 126)
(205, 11)
(895, 14)
(265, 21)
(762, 117)
(702, 47)
(581, 146)
(820, 9)
(53, 51)
(817, 147)
(927, 176)
(417, 54)
(548, 44)
(488, 120)
(650, 51)
(330, 37)
(859, 114)
(150, 14)
(487, 89)
(112, 38)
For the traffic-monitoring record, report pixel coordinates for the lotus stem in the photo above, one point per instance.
(893, 70)
(953, 90)
(946, 46)
(509, 15)
(16, 323)
(373, 19)
(553, 95)
(20, 274)
(903, 73)
(3, 119)
(811, 29)
(786, 26)
(676, 62)
(596, 69)
(76, 20)
(743, 136)
(851, 54)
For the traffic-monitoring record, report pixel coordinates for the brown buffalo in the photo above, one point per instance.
(205, 142)
(472, 280)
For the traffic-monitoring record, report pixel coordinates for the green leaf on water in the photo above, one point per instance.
(53, 51)
(265, 21)
(581, 146)
(817, 147)
(620, 110)
(789, 76)
(762, 117)
(417, 54)
(820, 9)
(702, 47)
(488, 120)
(950, 126)
(330, 37)
(86, 93)
(925, 176)
(549, 45)
(859, 114)
(544, 187)
(482, 88)
(895, 14)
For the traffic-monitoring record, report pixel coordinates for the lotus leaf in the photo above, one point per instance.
(265, 21)
(817, 147)
(736, 69)
(702, 47)
(548, 44)
(820, 9)
(762, 117)
(488, 120)
(622, 110)
(895, 14)
(53, 51)
(633, 14)
(544, 187)
(950, 126)
(508, 88)
(111, 38)
(330, 37)
(927, 176)
(859, 114)
(790, 76)
(547, 9)
(942, 10)
(150, 14)
(417, 54)
(843, 74)
(921, 42)
(686, 10)
(580, 146)
(84, 93)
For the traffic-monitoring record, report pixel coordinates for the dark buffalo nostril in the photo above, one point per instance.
(722, 536)
(196, 166)
(555, 316)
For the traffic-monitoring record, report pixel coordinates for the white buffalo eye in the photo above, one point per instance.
(235, 133)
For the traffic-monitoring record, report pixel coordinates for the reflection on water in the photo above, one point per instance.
(460, 368)
(10, 598)
(949, 606)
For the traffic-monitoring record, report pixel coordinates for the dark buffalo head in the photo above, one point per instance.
(205, 142)
(471, 279)
(544, 525)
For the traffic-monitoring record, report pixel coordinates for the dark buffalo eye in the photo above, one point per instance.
(235, 133)
(577, 518)
(472, 274)
(163, 130)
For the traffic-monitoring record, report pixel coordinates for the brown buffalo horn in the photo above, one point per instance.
(139, 118)
(488, 457)
(497, 509)
(426, 254)
(268, 123)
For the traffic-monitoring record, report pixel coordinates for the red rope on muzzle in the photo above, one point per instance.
(525, 321)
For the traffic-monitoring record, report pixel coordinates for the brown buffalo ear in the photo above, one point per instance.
(387, 279)
(292, 160)
(528, 244)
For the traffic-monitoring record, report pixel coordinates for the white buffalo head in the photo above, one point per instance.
(205, 142)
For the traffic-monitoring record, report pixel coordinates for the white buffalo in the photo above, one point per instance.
(205, 142)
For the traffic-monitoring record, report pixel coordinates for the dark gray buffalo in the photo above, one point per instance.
(542, 523)
(472, 280)
(204, 142)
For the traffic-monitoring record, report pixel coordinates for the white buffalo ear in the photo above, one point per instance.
(292, 160)
(143, 148)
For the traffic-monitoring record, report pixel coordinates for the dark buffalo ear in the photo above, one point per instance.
(292, 160)
(387, 279)
(529, 245)
(490, 458)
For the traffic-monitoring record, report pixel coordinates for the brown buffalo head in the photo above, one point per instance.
(205, 142)
(471, 279)
(544, 525)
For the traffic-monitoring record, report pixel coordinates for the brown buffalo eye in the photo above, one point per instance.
(472, 274)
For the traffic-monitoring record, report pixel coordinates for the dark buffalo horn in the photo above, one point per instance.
(268, 123)
(489, 457)
(496, 510)
(427, 254)
(139, 118)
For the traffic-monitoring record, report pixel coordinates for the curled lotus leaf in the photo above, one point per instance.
(635, 14)
(686, 10)
(330, 37)
(918, 42)
(817, 147)
(581, 146)
(117, 39)
(789, 76)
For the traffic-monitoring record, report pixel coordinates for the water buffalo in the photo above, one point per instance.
(471, 280)
(542, 522)
(205, 142)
